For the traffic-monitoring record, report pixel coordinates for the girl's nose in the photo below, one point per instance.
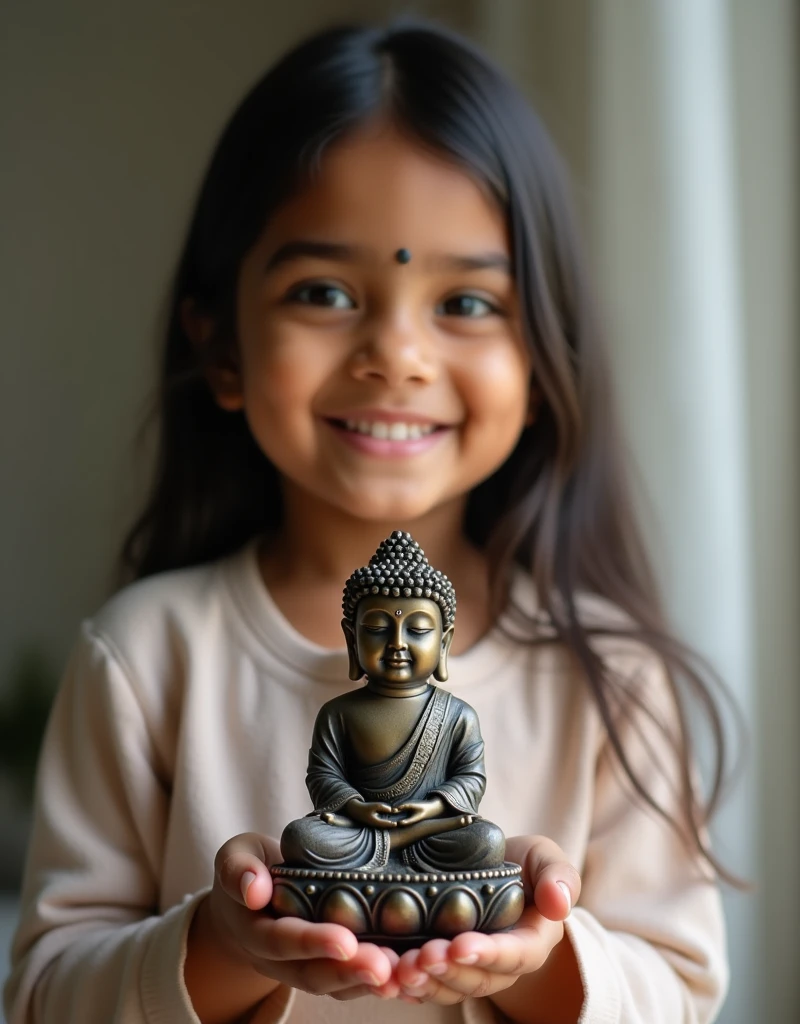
(394, 353)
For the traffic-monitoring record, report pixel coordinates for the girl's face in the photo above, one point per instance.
(384, 389)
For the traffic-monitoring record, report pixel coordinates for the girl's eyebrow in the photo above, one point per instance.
(477, 261)
(345, 253)
(305, 248)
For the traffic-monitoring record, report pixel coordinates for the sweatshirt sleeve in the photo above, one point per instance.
(91, 945)
(648, 931)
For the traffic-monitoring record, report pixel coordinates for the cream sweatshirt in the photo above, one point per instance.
(185, 717)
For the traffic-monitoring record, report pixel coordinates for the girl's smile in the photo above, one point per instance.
(383, 389)
(387, 434)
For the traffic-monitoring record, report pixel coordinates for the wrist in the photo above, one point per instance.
(439, 807)
(552, 995)
(222, 982)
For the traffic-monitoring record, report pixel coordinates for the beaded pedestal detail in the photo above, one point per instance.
(401, 908)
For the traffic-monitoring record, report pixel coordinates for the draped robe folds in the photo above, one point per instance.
(443, 755)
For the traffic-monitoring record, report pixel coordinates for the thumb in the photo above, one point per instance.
(549, 878)
(242, 869)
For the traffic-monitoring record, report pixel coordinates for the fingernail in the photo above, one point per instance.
(247, 880)
(416, 981)
(337, 953)
(367, 978)
(565, 889)
(437, 970)
(467, 960)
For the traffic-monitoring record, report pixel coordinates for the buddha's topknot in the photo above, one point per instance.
(399, 568)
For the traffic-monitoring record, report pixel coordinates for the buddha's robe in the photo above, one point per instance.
(443, 755)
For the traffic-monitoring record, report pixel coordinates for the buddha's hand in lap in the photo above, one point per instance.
(473, 964)
(420, 810)
(371, 814)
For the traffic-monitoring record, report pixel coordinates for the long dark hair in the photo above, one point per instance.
(560, 504)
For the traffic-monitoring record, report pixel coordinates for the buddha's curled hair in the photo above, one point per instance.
(399, 568)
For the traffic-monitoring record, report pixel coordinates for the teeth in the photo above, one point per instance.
(391, 431)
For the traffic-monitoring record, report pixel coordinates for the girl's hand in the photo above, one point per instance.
(472, 964)
(319, 958)
(369, 814)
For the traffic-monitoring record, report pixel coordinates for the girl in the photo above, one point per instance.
(380, 320)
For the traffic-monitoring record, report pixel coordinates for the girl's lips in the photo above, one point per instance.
(387, 447)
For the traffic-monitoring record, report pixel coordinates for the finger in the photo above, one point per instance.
(291, 938)
(419, 986)
(241, 865)
(321, 977)
(370, 969)
(389, 990)
(519, 951)
(550, 880)
(433, 957)
(356, 992)
(458, 983)
(445, 962)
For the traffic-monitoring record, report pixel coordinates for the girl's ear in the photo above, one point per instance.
(355, 671)
(221, 369)
(441, 674)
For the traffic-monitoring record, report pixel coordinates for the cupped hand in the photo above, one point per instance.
(473, 964)
(319, 958)
(419, 810)
(369, 813)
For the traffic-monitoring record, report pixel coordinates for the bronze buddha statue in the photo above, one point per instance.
(396, 770)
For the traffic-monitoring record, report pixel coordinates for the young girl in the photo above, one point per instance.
(380, 321)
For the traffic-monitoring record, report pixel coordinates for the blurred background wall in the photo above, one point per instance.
(679, 121)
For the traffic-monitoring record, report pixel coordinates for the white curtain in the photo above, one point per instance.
(687, 179)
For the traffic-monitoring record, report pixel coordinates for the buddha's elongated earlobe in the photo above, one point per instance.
(355, 671)
(441, 674)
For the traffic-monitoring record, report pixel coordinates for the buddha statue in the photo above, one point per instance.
(396, 770)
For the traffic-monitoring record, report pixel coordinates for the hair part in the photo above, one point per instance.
(560, 505)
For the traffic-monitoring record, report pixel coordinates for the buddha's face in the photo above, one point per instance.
(400, 641)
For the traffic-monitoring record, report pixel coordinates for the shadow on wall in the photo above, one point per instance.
(25, 699)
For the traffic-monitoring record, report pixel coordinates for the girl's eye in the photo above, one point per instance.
(467, 305)
(326, 295)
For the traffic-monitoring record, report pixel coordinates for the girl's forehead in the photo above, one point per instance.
(382, 190)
